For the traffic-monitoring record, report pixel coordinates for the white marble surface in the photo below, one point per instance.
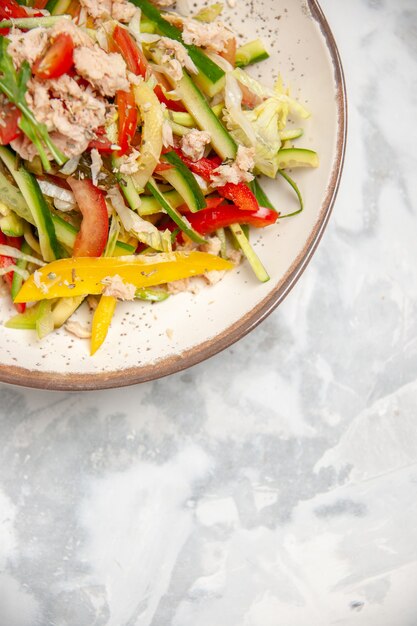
(276, 484)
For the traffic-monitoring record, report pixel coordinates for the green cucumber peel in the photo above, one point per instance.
(253, 259)
(260, 195)
(32, 22)
(180, 221)
(294, 186)
(210, 69)
(199, 201)
(36, 203)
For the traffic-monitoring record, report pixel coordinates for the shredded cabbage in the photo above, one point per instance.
(137, 226)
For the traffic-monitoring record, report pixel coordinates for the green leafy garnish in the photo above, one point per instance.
(13, 84)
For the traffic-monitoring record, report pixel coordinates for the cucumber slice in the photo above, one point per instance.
(58, 7)
(11, 225)
(249, 252)
(206, 66)
(36, 203)
(64, 308)
(251, 52)
(209, 88)
(297, 157)
(184, 182)
(198, 107)
(180, 221)
(293, 133)
(151, 295)
(150, 205)
(17, 278)
(260, 195)
(146, 26)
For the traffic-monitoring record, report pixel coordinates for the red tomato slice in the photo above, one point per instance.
(138, 64)
(57, 60)
(134, 57)
(128, 119)
(92, 237)
(9, 123)
(10, 9)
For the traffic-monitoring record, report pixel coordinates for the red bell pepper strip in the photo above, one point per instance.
(240, 195)
(57, 60)
(207, 221)
(9, 122)
(203, 167)
(6, 261)
(8, 10)
(92, 236)
(40, 4)
(138, 64)
(211, 203)
(102, 144)
(128, 119)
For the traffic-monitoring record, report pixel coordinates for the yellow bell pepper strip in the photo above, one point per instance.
(80, 276)
(101, 321)
(151, 146)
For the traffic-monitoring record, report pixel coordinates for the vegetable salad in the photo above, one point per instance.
(131, 144)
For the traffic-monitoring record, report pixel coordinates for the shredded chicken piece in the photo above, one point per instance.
(105, 71)
(116, 287)
(27, 46)
(167, 134)
(128, 164)
(97, 8)
(212, 36)
(237, 171)
(96, 165)
(212, 246)
(214, 276)
(70, 112)
(235, 256)
(194, 143)
(78, 36)
(184, 284)
(123, 10)
(175, 57)
(79, 330)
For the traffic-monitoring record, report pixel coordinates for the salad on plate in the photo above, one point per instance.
(132, 140)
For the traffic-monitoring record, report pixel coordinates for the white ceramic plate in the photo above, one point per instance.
(148, 341)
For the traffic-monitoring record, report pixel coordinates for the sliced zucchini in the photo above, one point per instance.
(251, 52)
(249, 252)
(183, 181)
(36, 203)
(180, 221)
(297, 157)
